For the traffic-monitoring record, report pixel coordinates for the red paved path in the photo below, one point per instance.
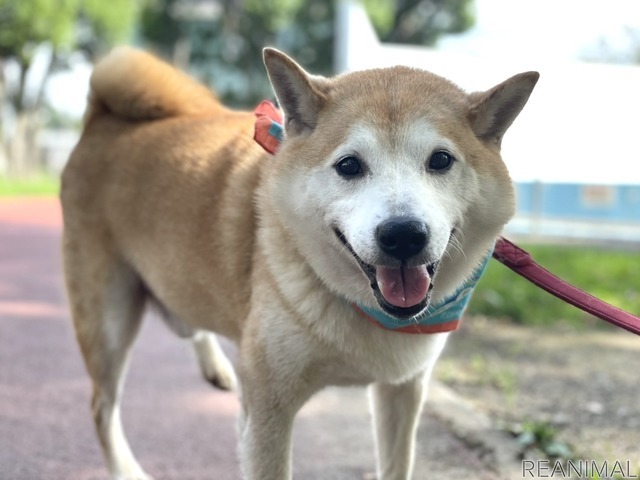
(179, 427)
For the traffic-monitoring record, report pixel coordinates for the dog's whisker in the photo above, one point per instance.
(456, 244)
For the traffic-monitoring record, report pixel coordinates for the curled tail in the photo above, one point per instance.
(136, 85)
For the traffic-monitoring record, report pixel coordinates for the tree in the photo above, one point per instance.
(419, 21)
(42, 33)
(221, 44)
(223, 47)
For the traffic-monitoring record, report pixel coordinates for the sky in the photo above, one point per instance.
(67, 91)
(557, 28)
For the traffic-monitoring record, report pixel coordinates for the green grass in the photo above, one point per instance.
(543, 436)
(39, 185)
(613, 276)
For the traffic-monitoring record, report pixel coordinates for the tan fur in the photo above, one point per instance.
(131, 84)
(168, 198)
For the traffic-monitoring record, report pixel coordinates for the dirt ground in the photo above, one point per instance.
(585, 384)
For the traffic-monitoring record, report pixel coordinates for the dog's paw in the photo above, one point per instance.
(222, 378)
(138, 475)
(214, 364)
(134, 477)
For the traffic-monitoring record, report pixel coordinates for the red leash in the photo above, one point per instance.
(523, 264)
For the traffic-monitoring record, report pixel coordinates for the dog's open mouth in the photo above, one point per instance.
(402, 291)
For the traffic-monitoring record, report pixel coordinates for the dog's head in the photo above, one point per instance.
(390, 181)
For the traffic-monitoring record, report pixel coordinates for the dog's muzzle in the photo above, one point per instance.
(402, 291)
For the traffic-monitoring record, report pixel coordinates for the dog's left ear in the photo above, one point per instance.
(492, 112)
(301, 96)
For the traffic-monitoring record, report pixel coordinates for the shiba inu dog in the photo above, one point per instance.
(321, 262)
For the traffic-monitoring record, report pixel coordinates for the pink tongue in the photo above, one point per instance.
(403, 286)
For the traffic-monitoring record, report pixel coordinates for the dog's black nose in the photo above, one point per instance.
(402, 237)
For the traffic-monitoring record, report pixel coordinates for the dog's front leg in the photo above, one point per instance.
(396, 411)
(270, 401)
(265, 442)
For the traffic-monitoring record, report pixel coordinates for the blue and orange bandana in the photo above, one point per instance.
(445, 316)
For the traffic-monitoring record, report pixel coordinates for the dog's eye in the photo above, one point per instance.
(349, 167)
(440, 160)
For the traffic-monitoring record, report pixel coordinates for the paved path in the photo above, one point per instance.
(179, 427)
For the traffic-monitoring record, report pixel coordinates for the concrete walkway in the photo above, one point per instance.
(179, 427)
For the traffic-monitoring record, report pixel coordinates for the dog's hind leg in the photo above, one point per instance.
(214, 364)
(107, 300)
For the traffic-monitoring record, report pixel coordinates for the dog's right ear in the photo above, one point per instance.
(491, 113)
(299, 94)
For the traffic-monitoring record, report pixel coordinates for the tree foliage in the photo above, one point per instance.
(63, 24)
(219, 39)
(223, 49)
(26, 26)
(419, 21)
